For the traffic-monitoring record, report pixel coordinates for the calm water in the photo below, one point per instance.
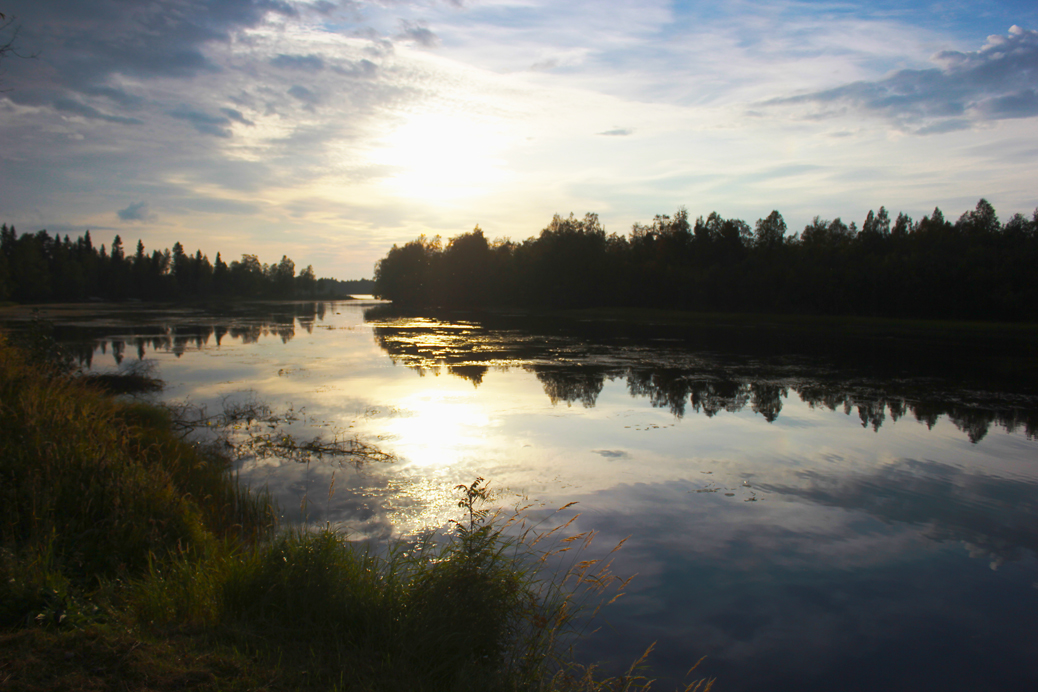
(812, 517)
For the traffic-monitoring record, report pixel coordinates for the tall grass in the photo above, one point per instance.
(112, 526)
(93, 488)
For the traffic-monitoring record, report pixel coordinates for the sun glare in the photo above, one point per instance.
(443, 156)
(441, 428)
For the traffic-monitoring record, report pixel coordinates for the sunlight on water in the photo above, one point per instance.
(438, 428)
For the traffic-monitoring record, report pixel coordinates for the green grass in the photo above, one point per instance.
(130, 559)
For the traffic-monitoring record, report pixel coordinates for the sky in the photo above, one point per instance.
(329, 130)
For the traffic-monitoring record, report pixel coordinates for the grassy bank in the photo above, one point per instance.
(130, 559)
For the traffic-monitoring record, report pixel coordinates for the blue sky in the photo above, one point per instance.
(330, 130)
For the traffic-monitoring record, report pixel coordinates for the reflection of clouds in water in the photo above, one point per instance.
(997, 517)
(611, 453)
(787, 595)
(789, 422)
(370, 503)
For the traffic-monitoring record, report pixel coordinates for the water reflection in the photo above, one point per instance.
(574, 371)
(811, 518)
(780, 596)
(995, 517)
(88, 329)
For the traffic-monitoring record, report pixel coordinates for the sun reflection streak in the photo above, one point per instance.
(440, 428)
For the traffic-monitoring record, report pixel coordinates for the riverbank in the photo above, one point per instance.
(131, 559)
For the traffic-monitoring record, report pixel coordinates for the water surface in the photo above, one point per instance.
(813, 518)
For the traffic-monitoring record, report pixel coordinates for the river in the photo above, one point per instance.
(813, 517)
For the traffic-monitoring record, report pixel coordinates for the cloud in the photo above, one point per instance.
(999, 81)
(943, 126)
(236, 116)
(216, 125)
(618, 132)
(417, 32)
(89, 42)
(138, 211)
(363, 68)
(1022, 104)
(119, 96)
(67, 105)
(309, 63)
(309, 98)
(213, 205)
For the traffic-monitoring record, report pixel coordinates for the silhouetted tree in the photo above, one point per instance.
(306, 282)
(770, 232)
(405, 275)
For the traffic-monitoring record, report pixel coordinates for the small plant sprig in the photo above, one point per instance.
(479, 533)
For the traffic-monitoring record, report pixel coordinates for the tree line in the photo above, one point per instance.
(36, 267)
(973, 268)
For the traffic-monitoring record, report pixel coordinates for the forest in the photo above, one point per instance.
(975, 268)
(37, 268)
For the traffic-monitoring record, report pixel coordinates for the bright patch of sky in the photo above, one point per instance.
(329, 131)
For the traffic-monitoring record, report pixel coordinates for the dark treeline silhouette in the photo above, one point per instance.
(35, 267)
(334, 288)
(974, 268)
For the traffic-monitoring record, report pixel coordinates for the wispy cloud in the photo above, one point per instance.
(216, 125)
(236, 115)
(417, 32)
(138, 211)
(998, 81)
(68, 105)
(308, 63)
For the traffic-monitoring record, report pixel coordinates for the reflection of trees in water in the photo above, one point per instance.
(709, 386)
(973, 416)
(997, 518)
(247, 325)
(474, 373)
(709, 395)
(664, 388)
(570, 385)
(766, 399)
